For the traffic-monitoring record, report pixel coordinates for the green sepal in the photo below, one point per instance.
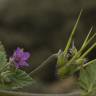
(66, 71)
(61, 61)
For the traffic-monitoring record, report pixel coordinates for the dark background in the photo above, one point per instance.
(42, 27)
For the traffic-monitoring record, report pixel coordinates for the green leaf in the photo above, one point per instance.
(88, 79)
(2, 49)
(3, 61)
(3, 58)
(10, 79)
(18, 79)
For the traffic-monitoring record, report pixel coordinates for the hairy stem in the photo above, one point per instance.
(47, 61)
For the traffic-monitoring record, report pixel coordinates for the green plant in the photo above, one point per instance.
(88, 79)
(72, 60)
(69, 61)
(76, 58)
(11, 77)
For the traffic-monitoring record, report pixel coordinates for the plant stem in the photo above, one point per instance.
(47, 61)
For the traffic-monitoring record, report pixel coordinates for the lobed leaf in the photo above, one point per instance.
(88, 79)
(18, 79)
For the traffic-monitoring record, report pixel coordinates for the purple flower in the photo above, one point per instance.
(20, 58)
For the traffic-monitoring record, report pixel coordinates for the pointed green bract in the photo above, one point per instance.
(87, 37)
(88, 51)
(70, 65)
(91, 39)
(78, 54)
(73, 31)
(86, 42)
(61, 59)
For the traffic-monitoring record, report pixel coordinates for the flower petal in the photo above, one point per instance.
(18, 52)
(25, 56)
(25, 64)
